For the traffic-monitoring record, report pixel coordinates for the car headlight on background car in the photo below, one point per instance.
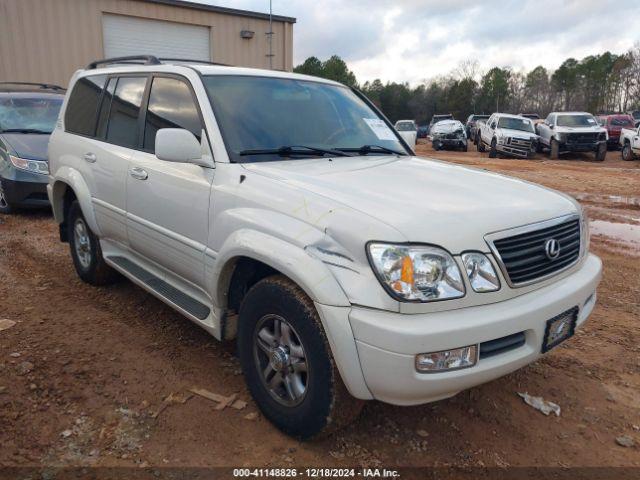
(416, 273)
(482, 275)
(35, 166)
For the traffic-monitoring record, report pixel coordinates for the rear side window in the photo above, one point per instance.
(80, 115)
(125, 110)
(171, 105)
(105, 108)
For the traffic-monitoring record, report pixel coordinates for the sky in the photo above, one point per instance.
(415, 40)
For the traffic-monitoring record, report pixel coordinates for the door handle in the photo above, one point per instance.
(90, 157)
(138, 173)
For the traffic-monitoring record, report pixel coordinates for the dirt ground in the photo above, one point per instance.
(84, 369)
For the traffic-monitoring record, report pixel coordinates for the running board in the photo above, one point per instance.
(163, 289)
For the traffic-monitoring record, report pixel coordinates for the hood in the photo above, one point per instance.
(426, 201)
(32, 146)
(593, 128)
(508, 132)
(445, 127)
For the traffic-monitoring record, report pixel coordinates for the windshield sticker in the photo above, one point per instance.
(591, 120)
(380, 129)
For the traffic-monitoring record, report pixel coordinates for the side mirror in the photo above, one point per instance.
(178, 145)
(494, 125)
(551, 126)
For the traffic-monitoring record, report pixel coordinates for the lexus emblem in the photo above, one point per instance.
(552, 248)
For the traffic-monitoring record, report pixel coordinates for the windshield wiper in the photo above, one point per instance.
(24, 130)
(365, 149)
(295, 150)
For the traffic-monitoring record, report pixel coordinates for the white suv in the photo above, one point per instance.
(285, 211)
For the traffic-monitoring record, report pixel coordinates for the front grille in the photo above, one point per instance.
(582, 137)
(525, 259)
(453, 136)
(501, 345)
(519, 142)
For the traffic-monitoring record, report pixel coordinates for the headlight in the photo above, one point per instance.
(35, 166)
(416, 273)
(482, 275)
(585, 232)
(500, 140)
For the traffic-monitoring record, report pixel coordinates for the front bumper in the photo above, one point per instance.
(25, 189)
(581, 147)
(516, 152)
(387, 342)
(450, 142)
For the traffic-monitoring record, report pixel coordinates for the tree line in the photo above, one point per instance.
(604, 83)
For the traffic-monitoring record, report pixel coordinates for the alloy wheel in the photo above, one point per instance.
(82, 243)
(280, 360)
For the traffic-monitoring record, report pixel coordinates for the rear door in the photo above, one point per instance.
(117, 134)
(168, 202)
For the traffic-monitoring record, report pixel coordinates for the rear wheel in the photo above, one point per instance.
(5, 206)
(493, 152)
(554, 150)
(287, 362)
(601, 153)
(85, 250)
(627, 153)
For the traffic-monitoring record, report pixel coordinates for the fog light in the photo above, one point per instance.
(447, 360)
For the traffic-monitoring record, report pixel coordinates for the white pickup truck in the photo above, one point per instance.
(285, 213)
(630, 143)
(563, 132)
(507, 134)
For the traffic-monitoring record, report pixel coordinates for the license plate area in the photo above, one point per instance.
(559, 328)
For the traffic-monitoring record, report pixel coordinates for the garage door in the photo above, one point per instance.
(125, 36)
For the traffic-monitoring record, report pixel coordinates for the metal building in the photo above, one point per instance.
(47, 40)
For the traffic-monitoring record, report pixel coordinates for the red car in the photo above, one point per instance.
(614, 123)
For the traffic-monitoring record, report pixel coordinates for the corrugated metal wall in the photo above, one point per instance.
(47, 40)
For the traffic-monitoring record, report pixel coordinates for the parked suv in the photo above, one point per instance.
(285, 212)
(438, 118)
(564, 132)
(28, 113)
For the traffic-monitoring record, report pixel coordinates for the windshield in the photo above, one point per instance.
(261, 113)
(621, 122)
(29, 114)
(406, 127)
(576, 121)
(512, 123)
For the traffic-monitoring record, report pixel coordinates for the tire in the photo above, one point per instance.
(87, 257)
(554, 149)
(316, 401)
(627, 153)
(479, 144)
(5, 205)
(601, 153)
(436, 145)
(465, 147)
(493, 152)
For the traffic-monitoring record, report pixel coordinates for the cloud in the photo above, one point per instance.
(413, 40)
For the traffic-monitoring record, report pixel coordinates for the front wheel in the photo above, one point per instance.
(601, 153)
(436, 145)
(554, 151)
(479, 144)
(5, 206)
(493, 152)
(627, 153)
(85, 250)
(287, 361)
(464, 147)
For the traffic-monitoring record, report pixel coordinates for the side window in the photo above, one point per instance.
(80, 115)
(105, 108)
(124, 112)
(171, 105)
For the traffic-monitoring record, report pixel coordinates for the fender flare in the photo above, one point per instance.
(67, 177)
(313, 276)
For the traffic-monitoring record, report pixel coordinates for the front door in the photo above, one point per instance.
(168, 202)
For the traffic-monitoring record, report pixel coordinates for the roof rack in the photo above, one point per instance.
(147, 60)
(132, 59)
(44, 86)
(190, 60)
